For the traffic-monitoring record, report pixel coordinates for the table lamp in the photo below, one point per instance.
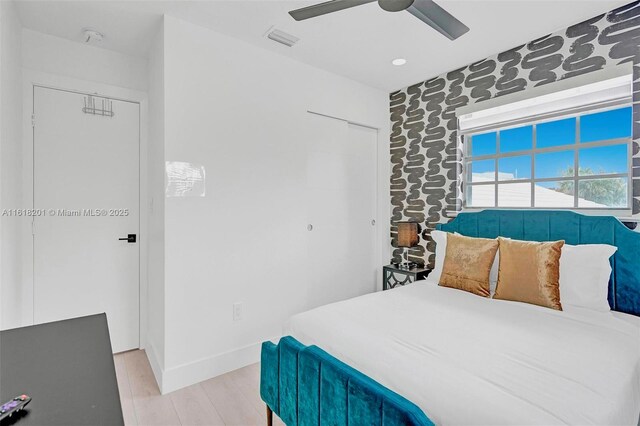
(407, 238)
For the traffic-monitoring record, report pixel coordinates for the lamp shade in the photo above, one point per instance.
(407, 234)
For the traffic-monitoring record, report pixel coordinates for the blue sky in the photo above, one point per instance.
(593, 127)
(606, 125)
(517, 139)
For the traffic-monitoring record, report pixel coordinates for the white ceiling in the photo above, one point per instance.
(358, 43)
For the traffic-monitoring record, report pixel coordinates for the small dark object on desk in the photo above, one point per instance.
(13, 406)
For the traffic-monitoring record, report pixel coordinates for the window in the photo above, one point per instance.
(578, 160)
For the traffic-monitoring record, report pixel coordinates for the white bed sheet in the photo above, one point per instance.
(467, 360)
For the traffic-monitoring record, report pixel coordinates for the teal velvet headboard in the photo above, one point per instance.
(574, 228)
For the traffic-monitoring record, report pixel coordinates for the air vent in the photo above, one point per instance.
(282, 37)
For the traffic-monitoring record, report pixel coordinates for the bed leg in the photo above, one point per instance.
(269, 416)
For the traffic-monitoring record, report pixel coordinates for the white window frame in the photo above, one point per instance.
(576, 146)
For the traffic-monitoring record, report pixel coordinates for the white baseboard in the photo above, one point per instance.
(155, 364)
(188, 374)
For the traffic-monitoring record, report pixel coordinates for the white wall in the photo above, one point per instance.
(240, 110)
(156, 295)
(10, 165)
(55, 55)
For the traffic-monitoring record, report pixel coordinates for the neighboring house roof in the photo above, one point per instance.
(519, 194)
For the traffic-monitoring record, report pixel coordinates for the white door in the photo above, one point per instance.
(341, 202)
(86, 179)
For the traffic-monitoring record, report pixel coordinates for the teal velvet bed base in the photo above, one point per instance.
(306, 386)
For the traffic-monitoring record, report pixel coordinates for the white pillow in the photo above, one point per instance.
(440, 238)
(493, 275)
(584, 275)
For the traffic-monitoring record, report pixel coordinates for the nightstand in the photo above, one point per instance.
(393, 276)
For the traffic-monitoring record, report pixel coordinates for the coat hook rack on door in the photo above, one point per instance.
(105, 109)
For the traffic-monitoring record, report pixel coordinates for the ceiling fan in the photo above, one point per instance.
(425, 10)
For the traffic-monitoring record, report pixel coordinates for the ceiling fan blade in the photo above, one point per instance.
(441, 20)
(324, 8)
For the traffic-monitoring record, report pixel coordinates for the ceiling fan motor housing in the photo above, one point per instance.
(394, 5)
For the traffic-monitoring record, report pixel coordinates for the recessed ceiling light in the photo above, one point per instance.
(399, 62)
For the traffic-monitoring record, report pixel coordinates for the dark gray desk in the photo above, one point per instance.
(66, 367)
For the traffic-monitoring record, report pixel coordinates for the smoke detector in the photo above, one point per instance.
(92, 36)
(281, 37)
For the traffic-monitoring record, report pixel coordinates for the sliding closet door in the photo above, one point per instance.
(341, 203)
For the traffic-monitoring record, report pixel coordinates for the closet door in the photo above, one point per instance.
(341, 206)
(86, 172)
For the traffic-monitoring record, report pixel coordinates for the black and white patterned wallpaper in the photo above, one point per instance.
(425, 157)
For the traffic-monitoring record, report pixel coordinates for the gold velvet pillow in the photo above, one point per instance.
(467, 263)
(529, 272)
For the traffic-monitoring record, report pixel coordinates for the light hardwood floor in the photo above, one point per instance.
(230, 399)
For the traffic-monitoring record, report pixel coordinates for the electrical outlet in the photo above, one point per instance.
(237, 311)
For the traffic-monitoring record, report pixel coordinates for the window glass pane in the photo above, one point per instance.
(484, 144)
(598, 193)
(554, 194)
(481, 196)
(554, 164)
(513, 168)
(482, 171)
(518, 139)
(606, 125)
(603, 159)
(514, 195)
(555, 133)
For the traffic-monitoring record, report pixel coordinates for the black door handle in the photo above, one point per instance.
(131, 238)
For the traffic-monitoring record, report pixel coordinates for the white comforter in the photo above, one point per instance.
(465, 359)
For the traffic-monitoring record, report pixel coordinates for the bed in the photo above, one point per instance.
(426, 354)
